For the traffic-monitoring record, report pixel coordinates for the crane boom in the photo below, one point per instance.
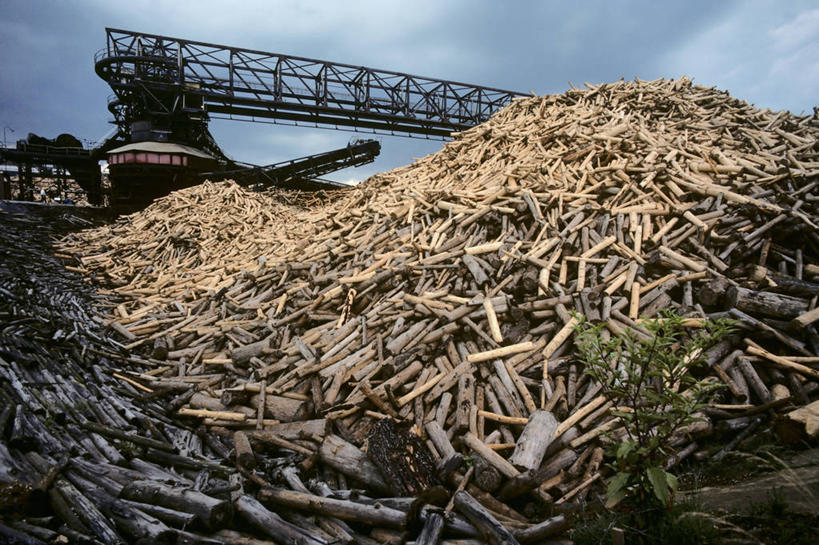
(174, 82)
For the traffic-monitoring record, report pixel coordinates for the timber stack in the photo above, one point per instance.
(396, 363)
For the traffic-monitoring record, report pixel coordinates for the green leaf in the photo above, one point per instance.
(672, 481)
(660, 484)
(617, 489)
(624, 449)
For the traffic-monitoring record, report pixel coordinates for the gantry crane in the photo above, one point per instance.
(166, 90)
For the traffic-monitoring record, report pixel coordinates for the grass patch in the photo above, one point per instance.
(682, 525)
(773, 523)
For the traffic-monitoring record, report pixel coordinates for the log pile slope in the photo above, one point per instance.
(428, 314)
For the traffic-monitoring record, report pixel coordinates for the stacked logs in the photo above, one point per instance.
(83, 457)
(427, 316)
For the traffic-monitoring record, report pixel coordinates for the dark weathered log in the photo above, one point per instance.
(272, 524)
(454, 524)
(737, 439)
(712, 294)
(212, 512)
(402, 458)
(785, 284)
(5, 417)
(534, 440)
(88, 513)
(431, 532)
(173, 517)
(487, 478)
(767, 303)
(550, 527)
(139, 526)
(373, 515)
(753, 379)
(161, 347)
(492, 530)
(125, 436)
(14, 536)
(34, 530)
(23, 435)
(349, 460)
(533, 478)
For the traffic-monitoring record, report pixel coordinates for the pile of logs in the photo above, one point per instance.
(397, 363)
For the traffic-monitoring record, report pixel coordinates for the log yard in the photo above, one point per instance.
(576, 307)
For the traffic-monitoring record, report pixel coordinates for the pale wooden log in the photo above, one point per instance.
(806, 318)
(783, 362)
(465, 401)
(484, 248)
(690, 263)
(218, 415)
(450, 459)
(492, 320)
(578, 415)
(559, 338)
(491, 457)
(504, 351)
(242, 354)
(304, 429)
(534, 440)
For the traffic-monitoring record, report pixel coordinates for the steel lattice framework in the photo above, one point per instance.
(158, 77)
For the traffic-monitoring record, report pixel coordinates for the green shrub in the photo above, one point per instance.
(648, 379)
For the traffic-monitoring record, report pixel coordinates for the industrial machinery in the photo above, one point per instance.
(59, 161)
(166, 90)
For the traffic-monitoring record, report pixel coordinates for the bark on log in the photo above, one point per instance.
(762, 302)
(272, 524)
(492, 530)
(431, 532)
(349, 460)
(244, 452)
(402, 458)
(533, 478)
(372, 515)
(550, 527)
(212, 512)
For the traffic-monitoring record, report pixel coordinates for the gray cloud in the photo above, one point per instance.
(762, 51)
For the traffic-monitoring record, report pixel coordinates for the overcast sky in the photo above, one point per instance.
(766, 52)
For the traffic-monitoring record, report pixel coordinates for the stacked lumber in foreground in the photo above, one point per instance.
(426, 315)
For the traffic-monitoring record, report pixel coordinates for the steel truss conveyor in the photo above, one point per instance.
(177, 83)
(302, 173)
